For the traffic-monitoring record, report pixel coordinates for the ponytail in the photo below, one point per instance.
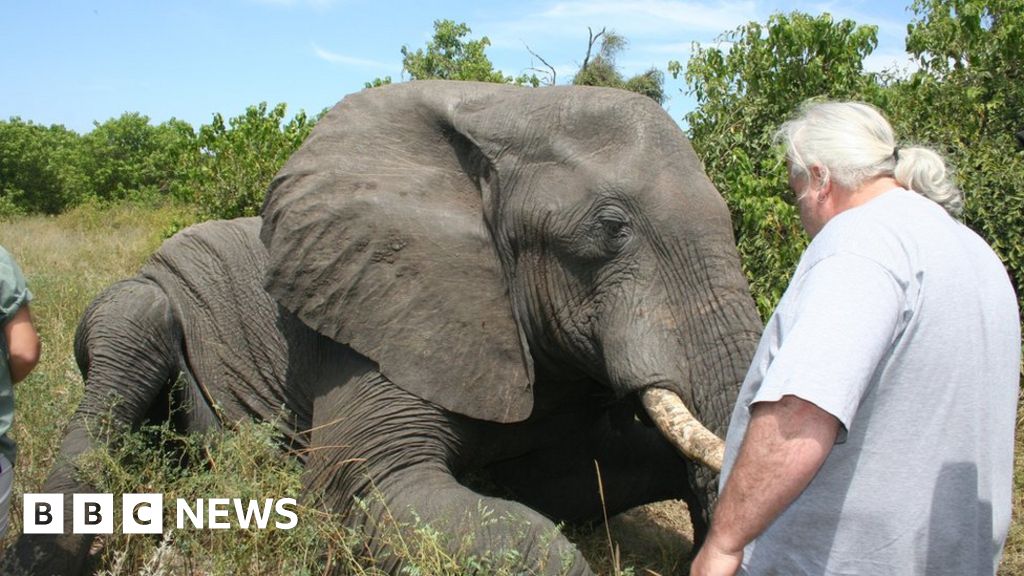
(923, 171)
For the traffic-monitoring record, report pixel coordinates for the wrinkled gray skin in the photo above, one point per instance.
(449, 279)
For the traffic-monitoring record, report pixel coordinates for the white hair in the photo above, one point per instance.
(851, 142)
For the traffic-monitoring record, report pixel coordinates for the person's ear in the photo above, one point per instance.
(820, 183)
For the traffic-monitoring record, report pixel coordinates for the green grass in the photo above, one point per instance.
(69, 259)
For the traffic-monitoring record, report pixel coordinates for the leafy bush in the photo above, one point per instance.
(36, 168)
(128, 158)
(234, 161)
(602, 70)
(745, 88)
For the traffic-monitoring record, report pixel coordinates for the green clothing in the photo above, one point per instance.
(13, 293)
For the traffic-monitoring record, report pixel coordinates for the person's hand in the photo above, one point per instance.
(714, 561)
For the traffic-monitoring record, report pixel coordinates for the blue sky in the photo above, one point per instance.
(75, 62)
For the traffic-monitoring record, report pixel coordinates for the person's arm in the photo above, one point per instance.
(22, 343)
(785, 445)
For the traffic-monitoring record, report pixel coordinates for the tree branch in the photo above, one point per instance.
(590, 46)
(554, 75)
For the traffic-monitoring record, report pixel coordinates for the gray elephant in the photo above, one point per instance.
(450, 279)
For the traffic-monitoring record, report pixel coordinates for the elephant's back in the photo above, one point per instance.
(236, 340)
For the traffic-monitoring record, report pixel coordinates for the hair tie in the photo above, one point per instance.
(896, 154)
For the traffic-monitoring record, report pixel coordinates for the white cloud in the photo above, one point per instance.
(647, 16)
(335, 58)
(653, 28)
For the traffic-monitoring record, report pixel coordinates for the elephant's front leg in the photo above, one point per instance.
(381, 456)
(501, 535)
(125, 348)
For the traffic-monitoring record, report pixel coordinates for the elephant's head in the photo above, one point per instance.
(465, 235)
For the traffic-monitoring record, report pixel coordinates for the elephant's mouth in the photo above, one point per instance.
(682, 429)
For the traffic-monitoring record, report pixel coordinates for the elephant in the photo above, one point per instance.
(449, 281)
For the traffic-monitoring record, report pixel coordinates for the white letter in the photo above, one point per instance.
(217, 508)
(142, 513)
(282, 511)
(185, 510)
(253, 509)
(42, 513)
(93, 513)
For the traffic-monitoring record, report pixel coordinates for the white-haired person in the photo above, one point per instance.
(874, 431)
(19, 353)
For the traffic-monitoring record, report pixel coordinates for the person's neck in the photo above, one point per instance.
(866, 192)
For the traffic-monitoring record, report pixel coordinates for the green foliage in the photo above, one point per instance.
(744, 91)
(601, 69)
(236, 160)
(49, 170)
(449, 57)
(650, 83)
(36, 168)
(127, 157)
(223, 170)
(378, 82)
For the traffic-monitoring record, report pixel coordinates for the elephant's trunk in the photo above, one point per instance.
(682, 429)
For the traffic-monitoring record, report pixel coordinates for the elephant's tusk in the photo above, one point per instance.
(684, 431)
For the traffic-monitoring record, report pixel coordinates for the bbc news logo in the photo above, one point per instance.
(144, 513)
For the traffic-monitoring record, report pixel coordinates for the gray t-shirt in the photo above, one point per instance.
(902, 323)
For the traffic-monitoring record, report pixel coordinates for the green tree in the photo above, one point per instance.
(175, 148)
(236, 159)
(128, 158)
(37, 168)
(743, 94)
(449, 56)
(601, 70)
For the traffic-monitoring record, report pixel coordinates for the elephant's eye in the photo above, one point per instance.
(615, 229)
(603, 234)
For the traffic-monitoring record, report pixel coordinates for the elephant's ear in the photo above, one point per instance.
(377, 238)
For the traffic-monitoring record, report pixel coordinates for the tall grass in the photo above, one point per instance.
(68, 260)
